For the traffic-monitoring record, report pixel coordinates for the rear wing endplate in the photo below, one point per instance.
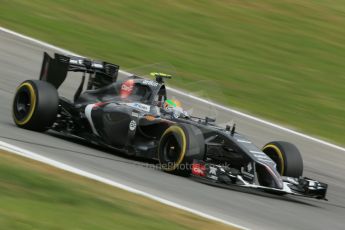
(54, 70)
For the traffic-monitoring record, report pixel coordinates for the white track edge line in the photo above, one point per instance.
(258, 119)
(45, 44)
(39, 42)
(34, 156)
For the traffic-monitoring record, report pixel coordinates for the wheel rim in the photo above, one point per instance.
(171, 149)
(24, 104)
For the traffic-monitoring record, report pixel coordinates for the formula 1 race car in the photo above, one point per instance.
(135, 116)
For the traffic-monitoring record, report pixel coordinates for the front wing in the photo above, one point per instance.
(225, 177)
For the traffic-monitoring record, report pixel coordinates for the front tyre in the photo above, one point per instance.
(286, 156)
(35, 105)
(178, 147)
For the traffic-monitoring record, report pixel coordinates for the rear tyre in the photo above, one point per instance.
(286, 156)
(178, 147)
(35, 105)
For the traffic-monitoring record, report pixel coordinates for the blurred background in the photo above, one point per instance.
(281, 60)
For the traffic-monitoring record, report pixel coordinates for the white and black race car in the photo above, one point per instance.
(134, 116)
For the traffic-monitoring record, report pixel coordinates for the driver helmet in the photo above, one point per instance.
(174, 106)
(171, 103)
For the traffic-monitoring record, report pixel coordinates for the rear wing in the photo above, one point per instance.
(54, 70)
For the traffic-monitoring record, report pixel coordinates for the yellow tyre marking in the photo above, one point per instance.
(279, 153)
(179, 130)
(32, 104)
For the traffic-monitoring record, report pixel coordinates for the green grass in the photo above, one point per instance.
(282, 60)
(37, 196)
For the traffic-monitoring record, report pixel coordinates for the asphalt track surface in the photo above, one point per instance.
(21, 59)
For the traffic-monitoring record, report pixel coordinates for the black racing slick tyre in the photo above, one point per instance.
(286, 156)
(178, 147)
(35, 105)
